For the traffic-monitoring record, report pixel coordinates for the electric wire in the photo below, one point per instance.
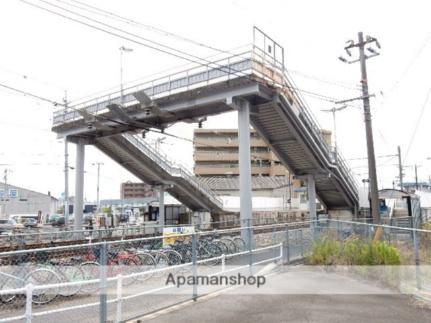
(418, 121)
(231, 70)
(117, 17)
(132, 40)
(25, 93)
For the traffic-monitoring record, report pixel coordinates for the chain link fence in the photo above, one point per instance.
(124, 279)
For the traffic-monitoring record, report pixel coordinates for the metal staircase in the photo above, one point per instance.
(141, 159)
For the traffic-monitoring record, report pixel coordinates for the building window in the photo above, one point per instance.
(1, 194)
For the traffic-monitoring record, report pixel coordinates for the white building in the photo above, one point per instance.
(16, 200)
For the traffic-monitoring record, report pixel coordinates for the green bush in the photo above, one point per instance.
(325, 251)
(353, 251)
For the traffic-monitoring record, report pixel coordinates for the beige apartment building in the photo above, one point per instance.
(130, 190)
(216, 154)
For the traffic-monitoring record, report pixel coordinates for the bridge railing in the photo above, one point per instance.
(174, 170)
(236, 65)
(312, 123)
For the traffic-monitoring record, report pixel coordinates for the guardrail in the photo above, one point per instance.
(233, 66)
(315, 129)
(271, 248)
(117, 233)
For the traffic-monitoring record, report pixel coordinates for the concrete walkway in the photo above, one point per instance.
(326, 297)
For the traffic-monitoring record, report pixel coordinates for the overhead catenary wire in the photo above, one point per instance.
(411, 63)
(115, 34)
(25, 93)
(117, 17)
(165, 48)
(416, 127)
(133, 40)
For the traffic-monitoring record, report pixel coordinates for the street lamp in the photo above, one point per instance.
(122, 50)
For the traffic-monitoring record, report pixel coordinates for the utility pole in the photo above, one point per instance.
(372, 173)
(400, 168)
(98, 164)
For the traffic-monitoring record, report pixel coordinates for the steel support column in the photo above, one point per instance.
(311, 183)
(245, 167)
(79, 185)
(161, 208)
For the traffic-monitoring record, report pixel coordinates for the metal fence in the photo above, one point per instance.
(55, 236)
(125, 279)
(120, 280)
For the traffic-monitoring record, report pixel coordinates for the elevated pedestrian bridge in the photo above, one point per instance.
(256, 76)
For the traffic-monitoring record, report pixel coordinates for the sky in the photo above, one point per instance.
(47, 55)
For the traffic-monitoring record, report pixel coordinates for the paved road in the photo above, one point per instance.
(308, 299)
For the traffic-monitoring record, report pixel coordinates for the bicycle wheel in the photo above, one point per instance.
(8, 283)
(91, 271)
(224, 248)
(147, 263)
(69, 274)
(126, 265)
(210, 250)
(173, 256)
(230, 245)
(240, 244)
(162, 261)
(43, 276)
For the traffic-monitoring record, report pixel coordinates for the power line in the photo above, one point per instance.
(27, 77)
(166, 50)
(117, 17)
(417, 124)
(231, 70)
(25, 93)
(410, 64)
(322, 97)
(147, 77)
(383, 156)
(319, 79)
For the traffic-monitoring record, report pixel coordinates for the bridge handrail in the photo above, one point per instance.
(225, 65)
(173, 170)
(312, 123)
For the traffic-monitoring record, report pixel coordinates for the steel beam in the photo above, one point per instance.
(311, 184)
(78, 206)
(161, 208)
(244, 167)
